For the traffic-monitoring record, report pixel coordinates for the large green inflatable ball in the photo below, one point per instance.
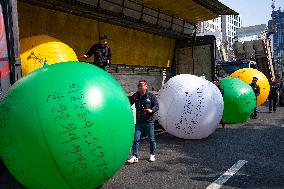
(239, 100)
(65, 126)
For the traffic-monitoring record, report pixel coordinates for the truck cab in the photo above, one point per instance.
(225, 68)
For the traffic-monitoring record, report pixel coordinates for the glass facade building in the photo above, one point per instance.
(276, 28)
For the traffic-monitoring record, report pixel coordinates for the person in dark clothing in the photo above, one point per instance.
(101, 52)
(217, 83)
(273, 95)
(146, 105)
(256, 91)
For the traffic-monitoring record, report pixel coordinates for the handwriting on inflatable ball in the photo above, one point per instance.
(78, 132)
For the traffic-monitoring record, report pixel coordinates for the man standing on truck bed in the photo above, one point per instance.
(101, 52)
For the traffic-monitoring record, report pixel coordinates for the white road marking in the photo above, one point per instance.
(225, 177)
(282, 125)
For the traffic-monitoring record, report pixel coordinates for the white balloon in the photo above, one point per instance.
(190, 107)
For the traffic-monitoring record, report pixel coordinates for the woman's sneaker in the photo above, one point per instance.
(152, 158)
(132, 160)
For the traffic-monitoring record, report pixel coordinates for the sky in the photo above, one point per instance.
(253, 12)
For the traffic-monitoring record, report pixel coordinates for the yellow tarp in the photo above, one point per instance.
(128, 46)
(185, 9)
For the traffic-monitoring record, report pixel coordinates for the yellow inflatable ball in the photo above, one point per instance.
(40, 49)
(246, 74)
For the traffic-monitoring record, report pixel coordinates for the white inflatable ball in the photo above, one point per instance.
(190, 107)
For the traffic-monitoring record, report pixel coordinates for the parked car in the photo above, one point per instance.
(281, 95)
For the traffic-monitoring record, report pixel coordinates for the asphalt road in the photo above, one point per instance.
(259, 144)
(198, 163)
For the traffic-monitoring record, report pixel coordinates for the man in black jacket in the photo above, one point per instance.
(273, 95)
(101, 52)
(146, 105)
(256, 91)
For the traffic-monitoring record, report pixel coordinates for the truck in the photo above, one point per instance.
(171, 31)
(259, 51)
